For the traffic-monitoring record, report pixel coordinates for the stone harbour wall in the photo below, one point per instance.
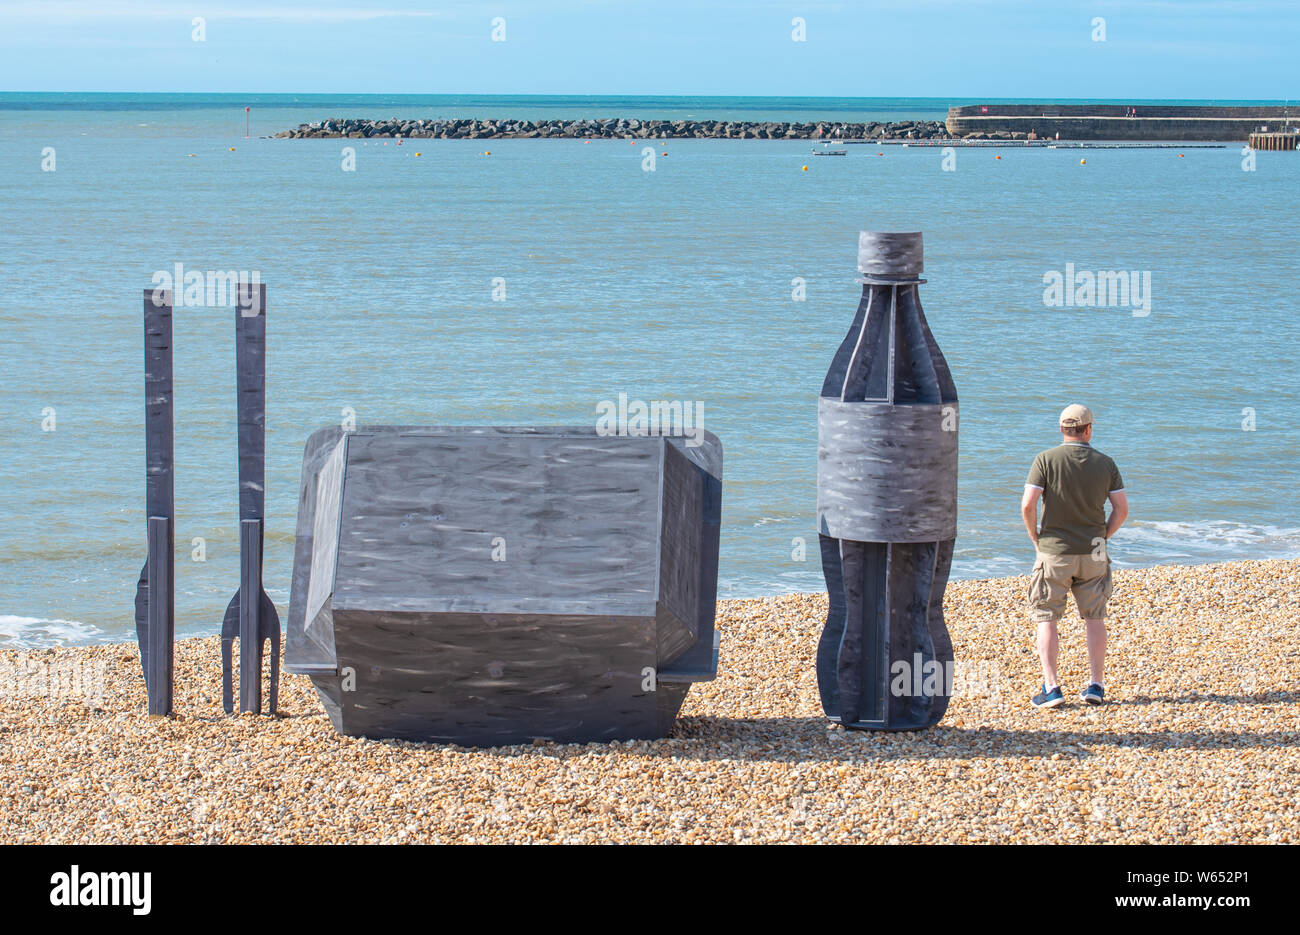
(1114, 122)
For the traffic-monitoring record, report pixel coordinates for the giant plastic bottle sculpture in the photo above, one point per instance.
(887, 502)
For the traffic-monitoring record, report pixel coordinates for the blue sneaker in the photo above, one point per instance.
(1046, 699)
(1093, 694)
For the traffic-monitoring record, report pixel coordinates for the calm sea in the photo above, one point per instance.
(679, 283)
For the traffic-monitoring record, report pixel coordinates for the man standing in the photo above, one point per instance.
(1074, 481)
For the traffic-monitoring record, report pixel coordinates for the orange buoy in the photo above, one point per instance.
(997, 157)
(805, 168)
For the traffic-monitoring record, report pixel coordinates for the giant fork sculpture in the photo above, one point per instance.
(251, 615)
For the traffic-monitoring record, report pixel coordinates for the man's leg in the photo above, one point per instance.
(1047, 646)
(1046, 604)
(1096, 627)
(1091, 592)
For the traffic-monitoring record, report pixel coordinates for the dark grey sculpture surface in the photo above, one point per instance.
(887, 502)
(155, 614)
(251, 615)
(488, 585)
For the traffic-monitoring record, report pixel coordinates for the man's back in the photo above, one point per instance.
(1075, 479)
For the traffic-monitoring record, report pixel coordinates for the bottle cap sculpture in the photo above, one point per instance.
(488, 586)
(887, 502)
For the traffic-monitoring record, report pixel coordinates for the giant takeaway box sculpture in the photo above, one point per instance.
(488, 586)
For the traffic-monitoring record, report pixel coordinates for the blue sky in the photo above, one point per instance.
(1217, 49)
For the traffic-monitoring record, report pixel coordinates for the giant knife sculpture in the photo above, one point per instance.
(155, 606)
(251, 615)
(887, 502)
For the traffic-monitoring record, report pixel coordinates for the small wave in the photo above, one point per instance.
(41, 632)
(1212, 530)
(1148, 543)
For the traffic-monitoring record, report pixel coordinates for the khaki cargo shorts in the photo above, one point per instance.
(1055, 576)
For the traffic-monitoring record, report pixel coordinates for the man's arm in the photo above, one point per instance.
(1118, 511)
(1029, 511)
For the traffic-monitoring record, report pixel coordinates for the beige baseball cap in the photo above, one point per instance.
(1074, 415)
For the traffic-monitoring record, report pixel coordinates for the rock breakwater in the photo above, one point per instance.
(611, 128)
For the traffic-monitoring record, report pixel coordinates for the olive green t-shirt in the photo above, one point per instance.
(1075, 479)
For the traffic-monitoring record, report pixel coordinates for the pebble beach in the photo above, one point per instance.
(1201, 743)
